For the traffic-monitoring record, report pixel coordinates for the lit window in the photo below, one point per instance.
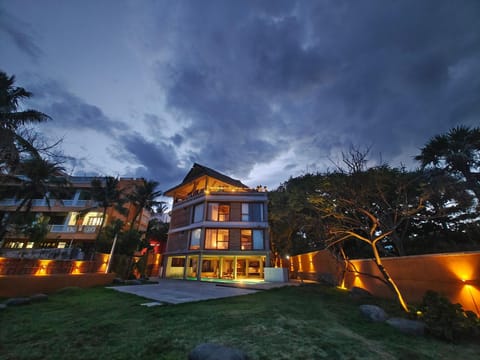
(216, 239)
(218, 212)
(246, 240)
(251, 239)
(93, 219)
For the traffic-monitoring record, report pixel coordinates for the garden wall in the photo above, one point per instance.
(455, 275)
(26, 285)
(23, 277)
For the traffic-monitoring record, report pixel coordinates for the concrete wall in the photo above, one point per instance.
(40, 267)
(23, 277)
(455, 275)
(25, 285)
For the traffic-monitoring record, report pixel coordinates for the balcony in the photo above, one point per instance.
(69, 203)
(86, 229)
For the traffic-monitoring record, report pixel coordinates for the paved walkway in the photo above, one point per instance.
(182, 291)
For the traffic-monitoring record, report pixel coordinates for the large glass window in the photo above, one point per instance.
(195, 239)
(216, 239)
(246, 240)
(218, 212)
(252, 212)
(178, 262)
(258, 240)
(198, 213)
(251, 239)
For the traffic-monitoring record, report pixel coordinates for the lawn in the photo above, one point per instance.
(305, 322)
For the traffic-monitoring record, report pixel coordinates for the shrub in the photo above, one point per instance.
(448, 321)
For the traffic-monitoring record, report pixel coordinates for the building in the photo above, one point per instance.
(218, 228)
(72, 221)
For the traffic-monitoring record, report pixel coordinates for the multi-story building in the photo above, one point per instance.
(73, 221)
(218, 228)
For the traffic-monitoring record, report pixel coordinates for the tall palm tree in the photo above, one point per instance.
(458, 153)
(144, 196)
(107, 193)
(12, 118)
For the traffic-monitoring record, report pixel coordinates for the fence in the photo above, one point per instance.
(456, 275)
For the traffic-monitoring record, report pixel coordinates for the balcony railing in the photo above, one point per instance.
(88, 229)
(52, 202)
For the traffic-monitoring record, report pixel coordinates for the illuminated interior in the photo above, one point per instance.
(216, 267)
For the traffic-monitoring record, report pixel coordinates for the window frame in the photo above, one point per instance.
(248, 211)
(221, 216)
(197, 246)
(215, 232)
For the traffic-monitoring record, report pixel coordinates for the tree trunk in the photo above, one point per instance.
(391, 284)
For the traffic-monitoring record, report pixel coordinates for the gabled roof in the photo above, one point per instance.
(198, 171)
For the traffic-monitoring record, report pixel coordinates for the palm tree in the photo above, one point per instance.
(145, 196)
(11, 120)
(458, 153)
(107, 193)
(39, 179)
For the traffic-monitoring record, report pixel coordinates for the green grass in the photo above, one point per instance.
(306, 322)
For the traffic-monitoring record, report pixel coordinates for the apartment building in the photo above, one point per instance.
(73, 222)
(218, 228)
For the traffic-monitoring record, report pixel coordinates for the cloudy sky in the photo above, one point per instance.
(259, 90)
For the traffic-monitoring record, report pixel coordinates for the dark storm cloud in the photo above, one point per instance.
(20, 34)
(70, 112)
(157, 160)
(252, 81)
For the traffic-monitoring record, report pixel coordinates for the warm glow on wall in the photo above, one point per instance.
(358, 282)
(462, 269)
(470, 297)
(42, 269)
(76, 267)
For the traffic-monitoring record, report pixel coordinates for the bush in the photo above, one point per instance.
(448, 321)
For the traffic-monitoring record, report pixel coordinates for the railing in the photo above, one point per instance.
(88, 229)
(68, 253)
(63, 228)
(52, 202)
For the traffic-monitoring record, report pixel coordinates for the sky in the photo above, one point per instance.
(258, 90)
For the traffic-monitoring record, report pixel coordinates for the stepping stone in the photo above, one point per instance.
(151, 304)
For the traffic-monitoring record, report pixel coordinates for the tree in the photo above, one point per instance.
(38, 179)
(371, 207)
(456, 152)
(157, 230)
(107, 193)
(144, 196)
(12, 119)
(295, 226)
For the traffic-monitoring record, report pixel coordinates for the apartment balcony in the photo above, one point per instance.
(86, 229)
(220, 195)
(63, 232)
(52, 204)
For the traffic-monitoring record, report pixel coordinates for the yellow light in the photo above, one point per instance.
(42, 270)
